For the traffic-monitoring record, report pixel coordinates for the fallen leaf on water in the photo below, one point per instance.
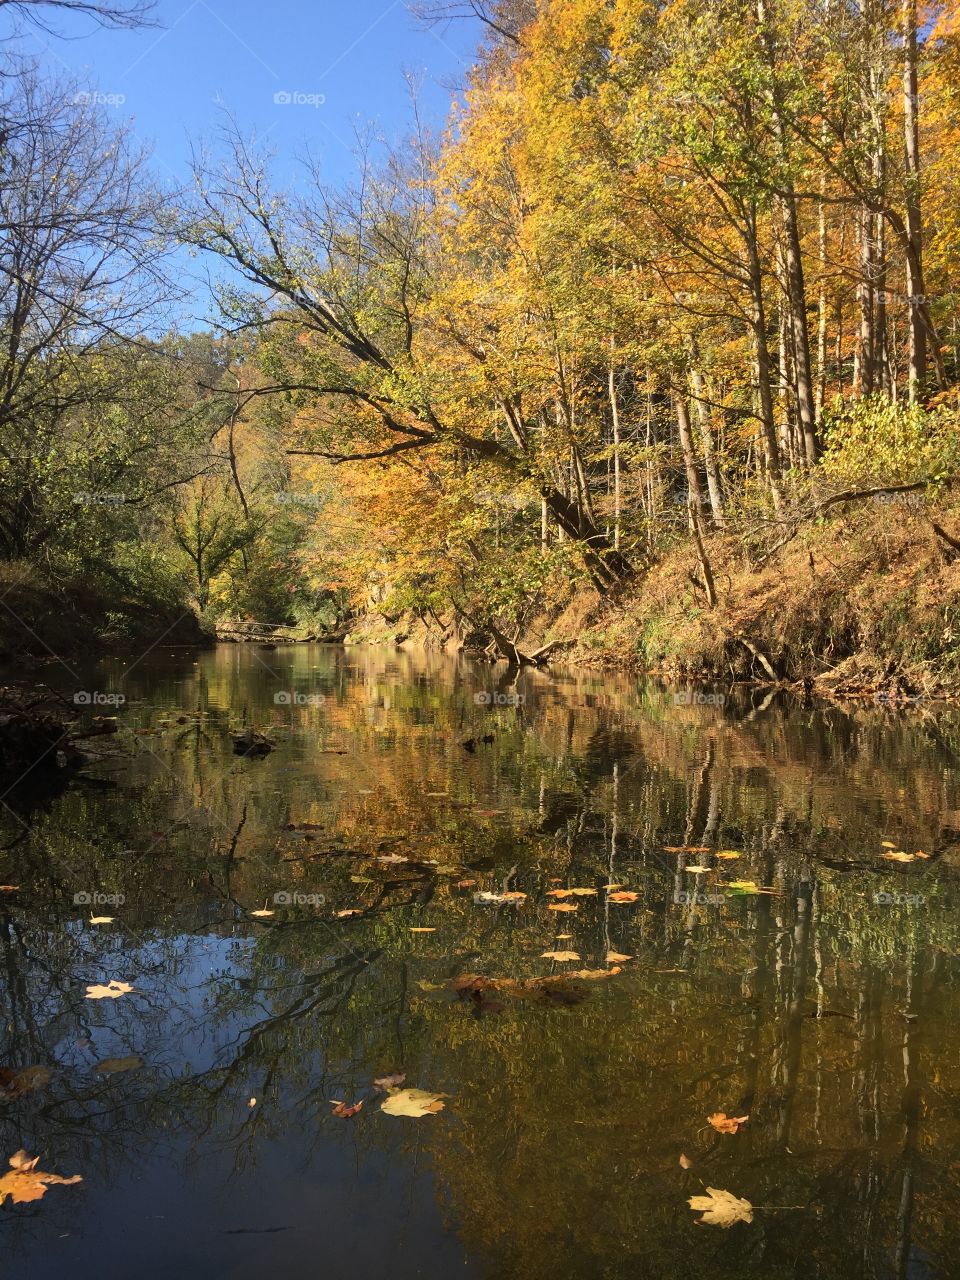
(101, 919)
(887, 844)
(898, 855)
(921, 854)
(685, 1162)
(14, 1084)
(26, 1182)
(560, 955)
(623, 895)
(593, 975)
(564, 937)
(728, 853)
(9, 888)
(696, 869)
(422, 929)
(561, 906)
(109, 991)
(412, 1102)
(262, 913)
(613, 886)
(744, 886)
(350, 911)
(614, 957)
(341, 1109)
(252, 1102)
(726, 1124)
(686, 848)
(361, 880)
(392, 858)
(386, 1083)
(559, 893)
(721, 1208)
(485, 896)
(114, 1065)
(465, 884)
(584, 893)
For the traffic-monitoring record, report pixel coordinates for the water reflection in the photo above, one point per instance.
(824, 1007)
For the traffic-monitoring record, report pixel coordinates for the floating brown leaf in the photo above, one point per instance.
(623, 895)
(614, 957)
(898, 855)
(26, 1182)
(394, 1081)
(350, 911)
(561, 906)
(14, 1084)
(341, 1109)
(685, 1162)
(114, 1065)
(726, 1124)
(560, 955)
(721, 1208)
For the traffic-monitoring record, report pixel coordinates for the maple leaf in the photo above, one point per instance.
(728, 853)
(341, 1109)
(26, 1182)
(623, 895)
(614, 957)
(561, 906)
(696, 869)
(412, 1102)
(898, 855)
(112, 990)
(726, 1124)
(721, 1208)
(560, 955)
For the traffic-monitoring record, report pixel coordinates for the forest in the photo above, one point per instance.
(675, 286)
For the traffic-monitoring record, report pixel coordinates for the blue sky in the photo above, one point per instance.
(342, 62)
(297, 74)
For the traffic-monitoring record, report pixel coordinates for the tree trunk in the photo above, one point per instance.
(917, 367)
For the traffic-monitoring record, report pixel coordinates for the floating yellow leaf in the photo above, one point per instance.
(898, 855)
(728, 853)
(560, 955)
(262, 913)
(422, 929)
(109, 991)
(696, 869)
(614, 957)
(721, 1208)
(887, 844)
(685, 1162)
(624, 895)
(26, 1182)
(412, 1102)
(561, 906)
(101, 919)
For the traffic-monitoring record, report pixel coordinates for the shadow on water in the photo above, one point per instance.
(825, 1006)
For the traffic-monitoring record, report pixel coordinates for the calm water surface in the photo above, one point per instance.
(824, 1007)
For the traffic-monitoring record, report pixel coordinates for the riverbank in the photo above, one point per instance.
(866, 602)
(40, 620)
